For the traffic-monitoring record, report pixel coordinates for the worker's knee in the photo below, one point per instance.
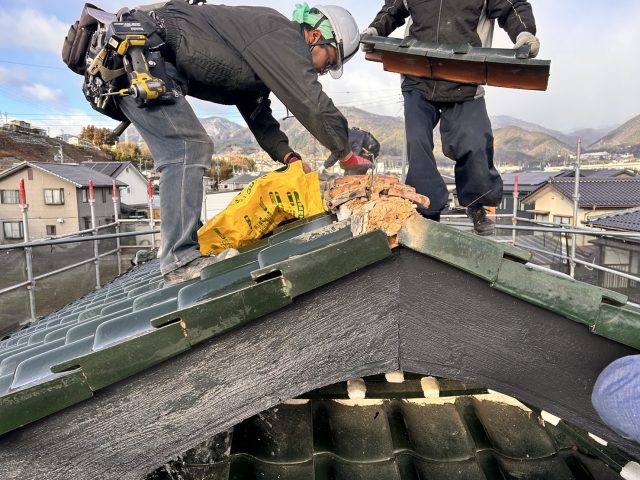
(199, 152)
(616, 396)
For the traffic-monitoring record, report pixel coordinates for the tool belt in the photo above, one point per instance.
(118, 55)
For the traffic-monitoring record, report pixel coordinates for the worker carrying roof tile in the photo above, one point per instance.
(466, 132)
(233, 56)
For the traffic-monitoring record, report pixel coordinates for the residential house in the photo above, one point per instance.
(58, 198)
(238, 182)
(20, 126)
(80, 142)
(622, 254)
(553, 201)
(135, 193)
(528, 182)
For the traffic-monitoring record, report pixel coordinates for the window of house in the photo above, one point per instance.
(87, 223)
(13, 230)
(54, 196)
(85, 195)
(541, 217)
(562, 220)
(527, 206)
(10, 196)
(30, 173)
(104, 195)
(51, 230)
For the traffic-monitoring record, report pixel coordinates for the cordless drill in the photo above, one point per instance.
(128, 40)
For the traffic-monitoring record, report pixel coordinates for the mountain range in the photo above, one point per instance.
(516, 141)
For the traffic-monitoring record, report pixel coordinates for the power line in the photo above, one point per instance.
(32, 65)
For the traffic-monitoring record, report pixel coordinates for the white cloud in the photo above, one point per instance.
(25, 28)
(43, 93)
(12, 77)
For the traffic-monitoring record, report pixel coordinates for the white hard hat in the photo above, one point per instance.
(347, 34)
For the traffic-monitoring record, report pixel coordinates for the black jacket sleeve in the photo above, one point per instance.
(514, 16)
(282, 61)
(259, 117)
(390, 17)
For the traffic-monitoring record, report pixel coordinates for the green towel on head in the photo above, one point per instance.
(302, 14)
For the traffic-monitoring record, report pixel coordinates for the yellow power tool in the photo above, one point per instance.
(131, 46)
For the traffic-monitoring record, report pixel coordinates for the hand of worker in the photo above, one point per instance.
(293, 157)
(526, 38)
(369, 31)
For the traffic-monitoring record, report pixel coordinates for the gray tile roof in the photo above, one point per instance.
(71, 172)
(242, 178)
(628, 220)
(600, 192)
(111, 169)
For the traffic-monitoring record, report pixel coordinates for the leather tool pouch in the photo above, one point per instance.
(76, 43)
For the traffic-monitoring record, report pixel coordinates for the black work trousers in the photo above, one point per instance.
(467, 139)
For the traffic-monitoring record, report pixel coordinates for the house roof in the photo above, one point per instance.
(600, 173)
(110, 169)
(244, 178)
(257, 329)
(394, 435)
(598, 192)
(627, 220)
(78, 175)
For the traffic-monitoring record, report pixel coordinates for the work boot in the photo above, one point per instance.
(356, 165)
(192, 269)
(482, 225)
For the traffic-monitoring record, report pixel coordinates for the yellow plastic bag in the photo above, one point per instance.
(263, 205)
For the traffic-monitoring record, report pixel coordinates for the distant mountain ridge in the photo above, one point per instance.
(628, 134)
(516, 141)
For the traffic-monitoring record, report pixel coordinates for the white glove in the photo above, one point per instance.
(527, 38)
(369, 31)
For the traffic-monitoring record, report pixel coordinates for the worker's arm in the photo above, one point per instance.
(390, 17)
(281, 59)
(514, 16)
(259, 117)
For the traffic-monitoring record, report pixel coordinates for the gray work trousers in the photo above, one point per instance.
(181, 151)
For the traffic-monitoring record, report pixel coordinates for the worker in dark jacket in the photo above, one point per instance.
(237, 56)
(460, 108)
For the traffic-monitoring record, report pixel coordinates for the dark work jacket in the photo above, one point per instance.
(453, 21)
(238, 55)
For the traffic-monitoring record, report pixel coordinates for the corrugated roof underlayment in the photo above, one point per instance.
(307, 307)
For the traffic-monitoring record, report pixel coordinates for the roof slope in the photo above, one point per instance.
(110, 169)
(600, 192)
(71, 172)
(396, 434)
(627, 220)
(447, 304)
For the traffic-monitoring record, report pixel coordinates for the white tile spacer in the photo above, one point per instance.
(631, 471)
(394, 377)
(599, 440)
(552, 419)
(430, 387)
(356, 389)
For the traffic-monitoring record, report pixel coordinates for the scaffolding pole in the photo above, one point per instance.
(576, 204)
(28, 251)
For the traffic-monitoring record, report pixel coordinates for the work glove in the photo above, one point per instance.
(355, 164)
(296, 157)
(369, 31)
(527, 38)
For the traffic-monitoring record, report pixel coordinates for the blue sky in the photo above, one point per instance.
(592, 44)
